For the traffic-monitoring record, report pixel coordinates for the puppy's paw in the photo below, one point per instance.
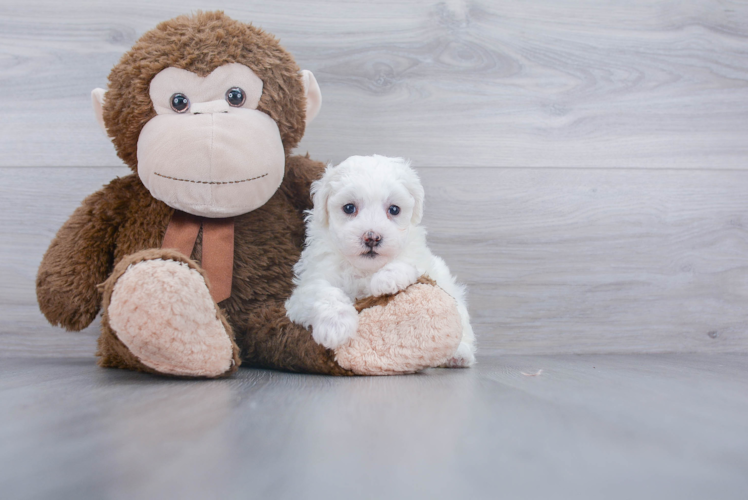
(462, 358)
(392, 278)
(335, 326)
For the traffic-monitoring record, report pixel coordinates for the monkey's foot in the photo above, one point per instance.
(162, 311)
(403, 333)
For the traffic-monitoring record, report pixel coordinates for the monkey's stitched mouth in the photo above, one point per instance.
(211, 182)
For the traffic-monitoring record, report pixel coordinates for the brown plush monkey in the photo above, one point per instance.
(191, 256)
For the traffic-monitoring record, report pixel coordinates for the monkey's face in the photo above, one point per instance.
(205, 109)
(209, 151)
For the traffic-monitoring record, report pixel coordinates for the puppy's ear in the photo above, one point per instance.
(413, 185)
(321, 191)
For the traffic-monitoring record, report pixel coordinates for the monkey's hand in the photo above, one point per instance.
(79, 259)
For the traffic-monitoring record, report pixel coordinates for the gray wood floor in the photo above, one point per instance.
(588, 427)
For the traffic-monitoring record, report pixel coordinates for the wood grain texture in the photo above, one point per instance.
(590, 427)
(608, 260)
(556, 260)
(565, 83)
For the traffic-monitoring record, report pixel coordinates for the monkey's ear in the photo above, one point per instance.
(97, 99)
(313, 95)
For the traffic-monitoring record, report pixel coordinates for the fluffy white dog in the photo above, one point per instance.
(364, 239)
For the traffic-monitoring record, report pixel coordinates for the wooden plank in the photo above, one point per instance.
(552, 83)
(34, 203)
(562, 260)
(613, 427)
(557, 260)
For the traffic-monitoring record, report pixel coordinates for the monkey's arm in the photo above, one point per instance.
(79, 258)
(301, 171)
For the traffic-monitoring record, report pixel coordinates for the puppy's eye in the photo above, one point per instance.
(179, 103)
(235, 97)
(394, 210)
(350, 208)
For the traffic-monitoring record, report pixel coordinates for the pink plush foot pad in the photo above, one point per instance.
(162, 311)
(419, 328)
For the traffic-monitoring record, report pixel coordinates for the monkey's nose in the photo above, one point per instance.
(372, 239)
(200, 108)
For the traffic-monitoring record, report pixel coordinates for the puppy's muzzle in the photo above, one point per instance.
(372, 239)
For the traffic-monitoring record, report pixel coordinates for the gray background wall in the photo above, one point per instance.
(584, 161)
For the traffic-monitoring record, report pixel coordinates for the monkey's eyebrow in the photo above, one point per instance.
(211, 182)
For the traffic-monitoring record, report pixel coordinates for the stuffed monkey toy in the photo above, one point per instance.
(190, 257)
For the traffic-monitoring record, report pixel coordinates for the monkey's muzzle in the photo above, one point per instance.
(212, 164)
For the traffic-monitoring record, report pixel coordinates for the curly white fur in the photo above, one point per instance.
(373, 250)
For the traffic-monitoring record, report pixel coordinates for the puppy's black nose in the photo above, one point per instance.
(372, 239)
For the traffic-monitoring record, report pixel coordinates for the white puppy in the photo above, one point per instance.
(363, 239)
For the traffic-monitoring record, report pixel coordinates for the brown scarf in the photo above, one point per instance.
(218, 247)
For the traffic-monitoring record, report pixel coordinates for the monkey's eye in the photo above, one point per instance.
(235, 96)
(394, 210)
(179, 103)
(350, 209)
